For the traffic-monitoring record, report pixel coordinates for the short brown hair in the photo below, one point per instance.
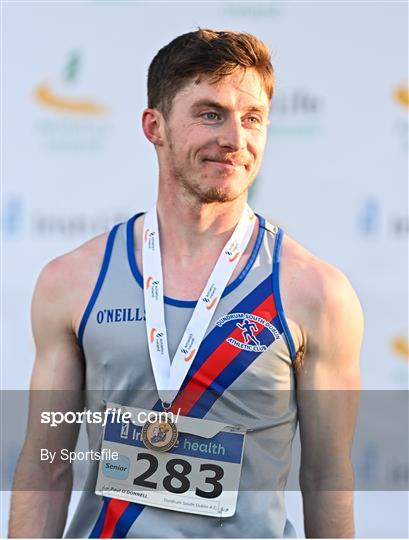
(205, 52)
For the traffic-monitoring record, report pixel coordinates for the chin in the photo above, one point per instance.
(211, 189)
(219, 194)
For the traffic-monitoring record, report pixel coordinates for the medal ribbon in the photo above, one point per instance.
(170, 376)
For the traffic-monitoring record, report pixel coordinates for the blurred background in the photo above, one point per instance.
(334, 176)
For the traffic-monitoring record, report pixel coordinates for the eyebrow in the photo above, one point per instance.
(216, 105)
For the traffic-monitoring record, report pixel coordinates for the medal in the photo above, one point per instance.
(159, 436)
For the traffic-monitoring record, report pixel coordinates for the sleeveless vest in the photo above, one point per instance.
(241, 375)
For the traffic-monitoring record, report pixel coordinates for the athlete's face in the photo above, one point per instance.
(215, 136)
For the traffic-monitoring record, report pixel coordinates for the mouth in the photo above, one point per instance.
(229, 164)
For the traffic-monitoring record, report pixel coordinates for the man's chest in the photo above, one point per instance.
(244, 344)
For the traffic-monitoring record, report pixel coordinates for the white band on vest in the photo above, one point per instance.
(169, 377)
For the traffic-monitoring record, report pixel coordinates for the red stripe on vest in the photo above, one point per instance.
(115, 509)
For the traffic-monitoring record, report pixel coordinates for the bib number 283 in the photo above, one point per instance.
(177, 480)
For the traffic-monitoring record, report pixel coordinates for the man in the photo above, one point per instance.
(208, 103)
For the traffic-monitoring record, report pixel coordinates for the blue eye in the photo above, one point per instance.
(211, 116)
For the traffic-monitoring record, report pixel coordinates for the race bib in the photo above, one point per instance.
(200, 474)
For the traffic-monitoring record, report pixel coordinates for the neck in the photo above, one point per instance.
(196, 228)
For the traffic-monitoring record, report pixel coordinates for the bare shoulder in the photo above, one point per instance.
(66, 282)
(316, 282)
(316, 295)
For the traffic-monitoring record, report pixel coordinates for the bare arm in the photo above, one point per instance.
(328, 383)
(41, 491)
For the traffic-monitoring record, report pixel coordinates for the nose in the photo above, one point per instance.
(232, 135)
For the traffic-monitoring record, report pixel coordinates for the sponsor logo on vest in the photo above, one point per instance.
(124, 314)
(249, 325)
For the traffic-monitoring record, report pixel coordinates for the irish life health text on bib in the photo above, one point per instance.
(200, 474)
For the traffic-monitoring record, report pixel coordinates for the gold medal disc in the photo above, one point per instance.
(159, 436)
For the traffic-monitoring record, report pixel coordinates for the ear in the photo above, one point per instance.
(152, 125)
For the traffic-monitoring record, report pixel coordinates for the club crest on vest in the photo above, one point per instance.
(246, 331)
